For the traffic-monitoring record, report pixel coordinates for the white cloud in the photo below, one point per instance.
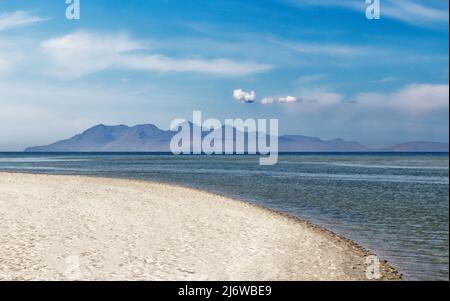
(243, 96)
(414, 99)
(288, 99)
(18, 18)
(81, 53)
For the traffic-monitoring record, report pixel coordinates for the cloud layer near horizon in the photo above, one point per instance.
(415, 99)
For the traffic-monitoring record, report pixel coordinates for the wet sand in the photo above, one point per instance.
(86, 228)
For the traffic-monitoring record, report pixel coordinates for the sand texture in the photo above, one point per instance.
(86, 228)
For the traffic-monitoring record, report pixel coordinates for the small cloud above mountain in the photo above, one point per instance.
(243, 96)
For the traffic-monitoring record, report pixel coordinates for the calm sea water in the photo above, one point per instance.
(394, 204)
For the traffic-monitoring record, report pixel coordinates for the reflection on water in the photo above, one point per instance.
(395, 204)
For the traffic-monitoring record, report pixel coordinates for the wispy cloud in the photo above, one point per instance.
(330, 49)
(81, 53)
(414, 12)
(17, 19)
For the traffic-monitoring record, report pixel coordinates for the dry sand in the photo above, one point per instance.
(85, 228)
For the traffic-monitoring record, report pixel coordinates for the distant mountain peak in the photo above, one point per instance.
(102, 127)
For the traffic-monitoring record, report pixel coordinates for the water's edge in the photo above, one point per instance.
(388, 270)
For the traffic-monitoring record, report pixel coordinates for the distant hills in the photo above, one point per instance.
(420, 146)
(149, 138)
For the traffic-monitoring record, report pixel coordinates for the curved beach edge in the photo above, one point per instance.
(388, 272)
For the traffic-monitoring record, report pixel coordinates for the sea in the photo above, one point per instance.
(394, 204)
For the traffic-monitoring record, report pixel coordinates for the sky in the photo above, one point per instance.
(320, 67)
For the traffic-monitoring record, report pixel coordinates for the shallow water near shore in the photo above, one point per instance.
(396, 205)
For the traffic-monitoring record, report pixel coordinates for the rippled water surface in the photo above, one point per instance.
(394, 204)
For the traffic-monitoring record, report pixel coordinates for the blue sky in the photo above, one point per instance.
(321, 67)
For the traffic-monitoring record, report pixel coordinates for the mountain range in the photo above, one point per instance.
(149, 138)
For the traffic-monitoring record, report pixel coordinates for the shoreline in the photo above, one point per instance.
(347, 250)
(388, 271)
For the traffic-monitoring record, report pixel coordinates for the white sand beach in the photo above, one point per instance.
(86, 228)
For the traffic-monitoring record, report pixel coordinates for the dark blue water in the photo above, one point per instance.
(394, 204)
